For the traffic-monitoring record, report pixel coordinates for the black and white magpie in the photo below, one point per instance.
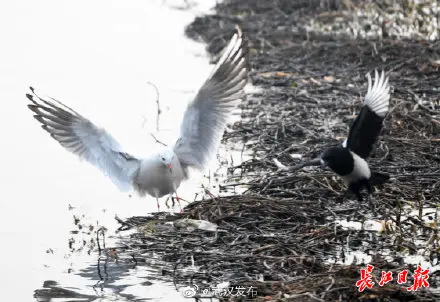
(349, 160)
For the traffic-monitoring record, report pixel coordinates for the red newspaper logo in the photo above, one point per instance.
(420, 279)
(365, 280)
(386, 277)
(401, 277)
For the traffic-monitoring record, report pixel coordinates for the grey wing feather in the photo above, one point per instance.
(206, 116)
(81, 137)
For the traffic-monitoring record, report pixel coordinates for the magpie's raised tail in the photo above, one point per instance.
(378, 178)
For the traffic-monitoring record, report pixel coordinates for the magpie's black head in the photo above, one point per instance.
(339, 159)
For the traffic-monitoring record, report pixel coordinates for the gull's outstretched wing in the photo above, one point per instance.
(368, 124)
(206, 116)
(81, 137)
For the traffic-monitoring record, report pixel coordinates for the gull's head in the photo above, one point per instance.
(166, 156)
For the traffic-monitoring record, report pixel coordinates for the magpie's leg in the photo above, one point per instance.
(370, 195)
(359, 196)
(371, 202)
(368, 186)
(355, 187)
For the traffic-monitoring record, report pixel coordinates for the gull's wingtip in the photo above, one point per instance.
(33, 108)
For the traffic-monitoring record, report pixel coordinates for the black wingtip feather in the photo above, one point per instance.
(32, 89)
(30, 97)
(33, 108)
(364, 132)
(40, 119)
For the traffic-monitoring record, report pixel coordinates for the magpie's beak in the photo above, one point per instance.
(313, 162)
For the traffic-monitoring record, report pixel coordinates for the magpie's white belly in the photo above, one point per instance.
(360, 170)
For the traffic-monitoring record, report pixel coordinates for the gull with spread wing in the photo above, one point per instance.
(201, 130)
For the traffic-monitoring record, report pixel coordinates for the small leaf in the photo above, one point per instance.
(329, 79)
(281, 74)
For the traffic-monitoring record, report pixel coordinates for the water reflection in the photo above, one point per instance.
(52, 291)
(114, 277)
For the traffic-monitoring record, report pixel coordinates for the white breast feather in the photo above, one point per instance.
(360, 170)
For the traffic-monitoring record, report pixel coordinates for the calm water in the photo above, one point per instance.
(97, 57)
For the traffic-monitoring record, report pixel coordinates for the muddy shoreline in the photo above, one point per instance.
(289, 235)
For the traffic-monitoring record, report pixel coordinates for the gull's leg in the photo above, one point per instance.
(167, 201)
(181, 199)
(156, 194)
(178, 201)
(170, 207)
(177, 197)
(158, 206)
(209, 193)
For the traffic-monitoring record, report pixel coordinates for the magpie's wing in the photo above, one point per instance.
(368, 124)
(206, 116)
(81, 137)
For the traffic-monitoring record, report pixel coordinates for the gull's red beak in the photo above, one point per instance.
(169, 166)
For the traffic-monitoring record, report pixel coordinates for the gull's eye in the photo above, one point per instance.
(163, 158)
